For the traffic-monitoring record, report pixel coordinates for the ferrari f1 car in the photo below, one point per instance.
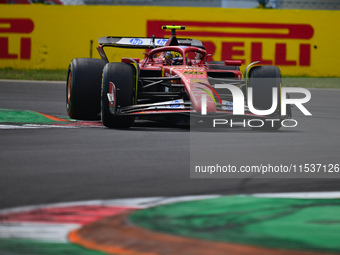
(174, 82)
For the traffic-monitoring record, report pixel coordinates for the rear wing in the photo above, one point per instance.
(140, 43)
(144, 42)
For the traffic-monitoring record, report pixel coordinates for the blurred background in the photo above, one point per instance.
(277, 4)
(294, 35)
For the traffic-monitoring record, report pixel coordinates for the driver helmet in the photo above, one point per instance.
(173, 58)
(169, 55)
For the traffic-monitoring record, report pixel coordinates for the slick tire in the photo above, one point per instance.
(83, 88)
(122, 75)
(263, 79)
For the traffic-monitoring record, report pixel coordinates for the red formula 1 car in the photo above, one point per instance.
(175, 82)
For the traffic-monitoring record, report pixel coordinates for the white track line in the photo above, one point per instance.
(124, 202)
(33, 126)
(302, 195)
(56, 233)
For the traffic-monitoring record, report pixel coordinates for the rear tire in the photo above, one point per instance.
(83, 88)
(263, 79)
(122, 75)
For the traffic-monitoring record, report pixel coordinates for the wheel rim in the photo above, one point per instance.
(69, 87)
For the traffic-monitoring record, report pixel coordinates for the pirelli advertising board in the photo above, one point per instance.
(300, 42)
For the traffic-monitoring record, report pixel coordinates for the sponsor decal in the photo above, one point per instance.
(175, 104)
(226, 105)
(136, 41)
(23, 27)
(161, 41)
(240, 40)
(193, 73)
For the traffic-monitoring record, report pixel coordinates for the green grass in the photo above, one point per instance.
(309, 82)
(60, 75)
(40, 75)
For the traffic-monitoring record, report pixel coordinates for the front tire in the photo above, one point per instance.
(122, 75)
(83, 88)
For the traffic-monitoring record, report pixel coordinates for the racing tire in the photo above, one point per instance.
(122, 75)
(263, 79)
(219, 65)
(83, 88)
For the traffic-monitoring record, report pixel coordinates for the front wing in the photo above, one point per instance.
(184, 107)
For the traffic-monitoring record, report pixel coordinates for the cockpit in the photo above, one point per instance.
(173, 56)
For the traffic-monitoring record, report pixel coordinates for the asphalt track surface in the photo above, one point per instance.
(39, 166)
